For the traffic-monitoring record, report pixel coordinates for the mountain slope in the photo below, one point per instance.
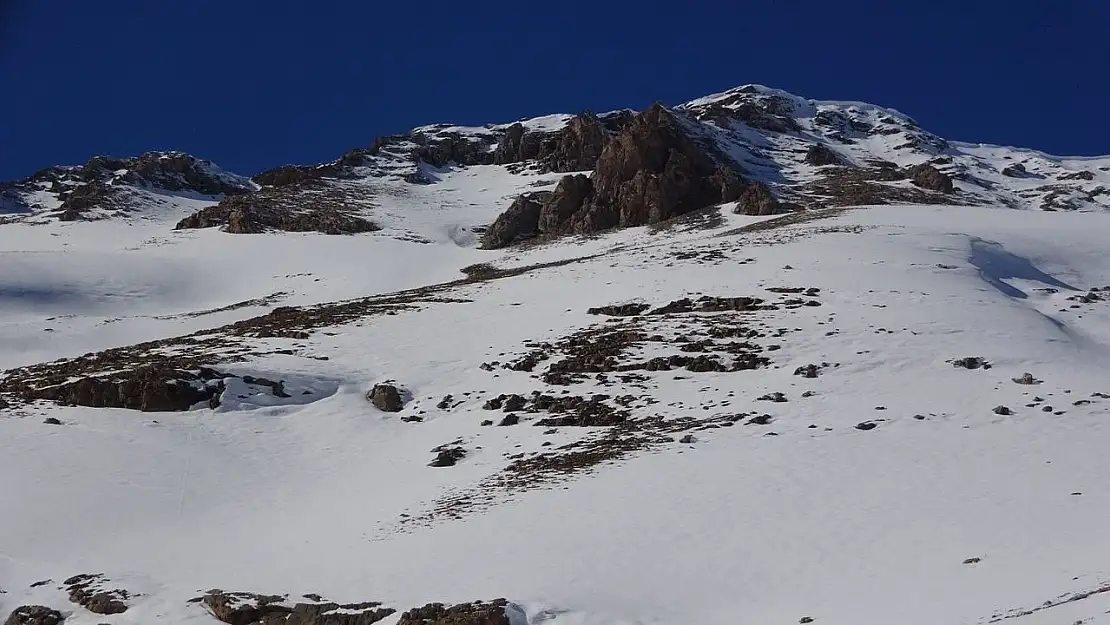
(821, 414)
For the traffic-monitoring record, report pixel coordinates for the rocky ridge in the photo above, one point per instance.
(762, 150)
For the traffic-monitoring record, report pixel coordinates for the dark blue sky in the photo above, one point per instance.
(255, 83)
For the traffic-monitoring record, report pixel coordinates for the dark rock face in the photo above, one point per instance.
(150, 388)
(1017, 170)
(575, 147)
(928, 177)
(649, 172)
(571, 193)
(477, 613)
(285, 175)
(386, 398)
(34, 615)
(441, 149)
(277, 210)
(821, 154)
(516, 224)
(175, 171)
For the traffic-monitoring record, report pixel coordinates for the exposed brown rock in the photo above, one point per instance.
(89, 591)
(477, 613)
(518, 223)
(570, 194)
(928, 177)
(242, 608)
(650, 172)
(278, 209)
(758, 200)
(149, 388)
(386, 397)
(34, 615)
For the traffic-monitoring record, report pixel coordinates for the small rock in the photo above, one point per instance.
(805, 619)
(867, 425)
(1026, 378)
(973, 561)
(486, 422)
(775, 397)
(1003, 410)
(689, 438)
(971, 362)
(510, 419)
(448, 457)
(1046, 409)
(445, 403)
(807, 371)
(51, 421)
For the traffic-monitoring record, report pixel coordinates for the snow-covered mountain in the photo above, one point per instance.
(754, 358)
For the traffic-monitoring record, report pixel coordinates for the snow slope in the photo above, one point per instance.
(891, 486)
(837, 523)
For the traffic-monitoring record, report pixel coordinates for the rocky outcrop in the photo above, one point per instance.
(90, 592)
(757, 200)
(177, 171)
(149, 388)
(518, 223)
(443, 148)
(820, 154)
(283, 208)
(34, 615)
(928, 177)
(477, 613)
(650, 172)
(243, 608)
(104, 185)
(569, 196)
(575, 147)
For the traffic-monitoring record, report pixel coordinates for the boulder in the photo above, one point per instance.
(386, 397)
